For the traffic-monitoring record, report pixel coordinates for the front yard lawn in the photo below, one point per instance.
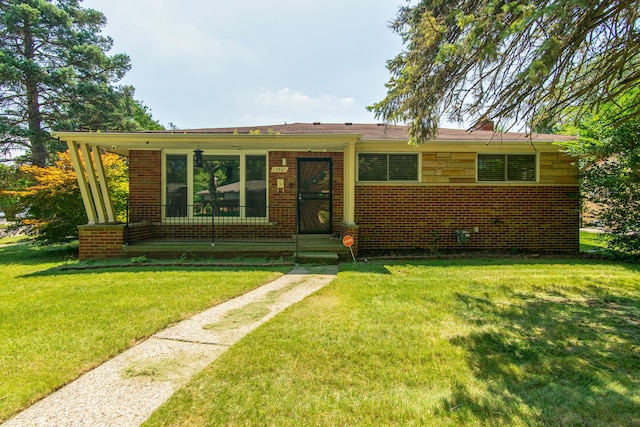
(472, 342)
(55, 325)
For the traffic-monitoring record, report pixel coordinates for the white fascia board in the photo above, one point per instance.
(460, 146)
(120, 142)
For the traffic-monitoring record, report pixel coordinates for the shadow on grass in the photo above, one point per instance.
(65, 258)
(380, 266)
(586, 247)
(29, 253)
(552, 358)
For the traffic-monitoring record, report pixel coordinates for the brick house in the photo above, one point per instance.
(477, 190)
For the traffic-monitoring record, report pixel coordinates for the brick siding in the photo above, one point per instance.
(145, 181)
(101, 241)
(529, 217)
(533, 218)
(289, 196)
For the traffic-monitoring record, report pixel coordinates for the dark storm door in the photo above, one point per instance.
(314, 195)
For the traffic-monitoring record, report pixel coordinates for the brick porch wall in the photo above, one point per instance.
(531, 218)
(101, 241)
(145, 181)
(145, 186)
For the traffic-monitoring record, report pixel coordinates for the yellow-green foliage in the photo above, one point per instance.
(53, 202)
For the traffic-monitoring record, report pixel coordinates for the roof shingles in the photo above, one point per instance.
(378, 132)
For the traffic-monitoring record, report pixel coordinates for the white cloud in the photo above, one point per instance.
(172, 34)
(292, 100)
(269, 107)
(289, 105)
(203, 63)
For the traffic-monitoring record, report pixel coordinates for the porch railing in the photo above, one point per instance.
(217, 223)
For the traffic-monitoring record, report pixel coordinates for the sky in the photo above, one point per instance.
(214, 63)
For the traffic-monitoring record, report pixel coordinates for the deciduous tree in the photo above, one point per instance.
(511, 61)
(610, 173)
(53, 200)
(10, 179)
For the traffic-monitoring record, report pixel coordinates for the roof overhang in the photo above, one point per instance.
(124, 142)
(461, 146)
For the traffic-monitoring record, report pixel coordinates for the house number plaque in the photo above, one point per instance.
(280, 169)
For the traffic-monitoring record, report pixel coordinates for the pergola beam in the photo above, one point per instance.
(93, 184)
(81, 175)
(104, 186)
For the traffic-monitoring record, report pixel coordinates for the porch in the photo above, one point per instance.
(320, 248)
(231, 230)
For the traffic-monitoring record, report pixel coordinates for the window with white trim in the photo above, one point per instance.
(217, 183)
(176, 185)
(232, 185)
(387, 167)
(507, 167)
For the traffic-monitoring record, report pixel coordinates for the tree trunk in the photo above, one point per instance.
(37, 137)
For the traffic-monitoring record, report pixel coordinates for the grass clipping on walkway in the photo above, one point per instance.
(56, 325)
(436, 343)
(249, 313)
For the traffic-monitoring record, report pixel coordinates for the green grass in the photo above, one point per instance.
(591, 242)
(55, 325)
(9, 240)
(442, 343)
(6, 239)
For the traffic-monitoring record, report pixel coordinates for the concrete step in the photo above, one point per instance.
(317, 258)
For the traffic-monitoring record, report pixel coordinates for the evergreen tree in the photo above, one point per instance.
(53, 63)
(511, 61)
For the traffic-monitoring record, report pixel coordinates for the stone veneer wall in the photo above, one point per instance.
(558, 169)
(460, 168)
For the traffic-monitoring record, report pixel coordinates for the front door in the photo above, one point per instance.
(314, 195)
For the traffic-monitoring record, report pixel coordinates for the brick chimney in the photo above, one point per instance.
(484, 124)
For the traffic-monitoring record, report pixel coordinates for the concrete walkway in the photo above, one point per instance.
(127, 389)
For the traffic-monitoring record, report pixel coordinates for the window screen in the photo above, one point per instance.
(506, 167)
(403, 167)
(256, 186)
(521, 167)
(372, 167)
(387, 167)
(491, 167)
